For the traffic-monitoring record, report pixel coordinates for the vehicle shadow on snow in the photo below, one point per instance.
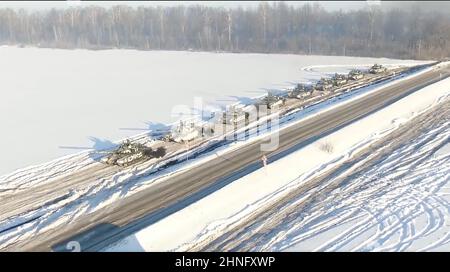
(98, 148)
(153, 129)
(243, 99)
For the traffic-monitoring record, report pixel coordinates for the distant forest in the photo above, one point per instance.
(270, 28)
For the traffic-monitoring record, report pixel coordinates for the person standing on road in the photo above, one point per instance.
(264, 160)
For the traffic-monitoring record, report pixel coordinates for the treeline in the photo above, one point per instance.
(270, 28)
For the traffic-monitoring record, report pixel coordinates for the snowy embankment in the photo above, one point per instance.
(213, 215)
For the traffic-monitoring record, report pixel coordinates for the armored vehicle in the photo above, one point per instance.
(355, 74)
(272, 101)
(233, 115)
(300, 91)
(324, 84)
(339, 80)
(128, 153)
(377, 69)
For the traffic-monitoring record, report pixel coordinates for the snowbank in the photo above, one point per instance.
(216, 213)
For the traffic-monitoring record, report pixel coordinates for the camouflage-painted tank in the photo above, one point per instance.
(355, 74)
(377, 69)
(324, 84)
(128, 153)
(300, 91)
(272, 101)
(339, 80)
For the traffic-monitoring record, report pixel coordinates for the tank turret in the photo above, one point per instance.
(128, 153)
(355, 74)
(339, 80)
(300, 91)
(272, 101)
(377, 69)
(324, 84)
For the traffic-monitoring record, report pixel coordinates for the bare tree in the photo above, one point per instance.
(272, 27)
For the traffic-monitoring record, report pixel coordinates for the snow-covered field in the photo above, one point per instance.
(213, 215)
(54, 98)
(402, 203)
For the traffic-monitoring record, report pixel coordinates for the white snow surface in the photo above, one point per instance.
(54, 98)
(213, 215)
(400, 204)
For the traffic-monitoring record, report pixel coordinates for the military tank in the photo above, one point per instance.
(272, 101)
(324, 84)
(233, 115)
(355, 74)
(128, 153)
(296, 91)
(339, 80)
(300, 91)
(377, 69)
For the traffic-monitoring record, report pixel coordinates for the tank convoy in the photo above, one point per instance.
(328, 84)
(129, 152)
(377, 69)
